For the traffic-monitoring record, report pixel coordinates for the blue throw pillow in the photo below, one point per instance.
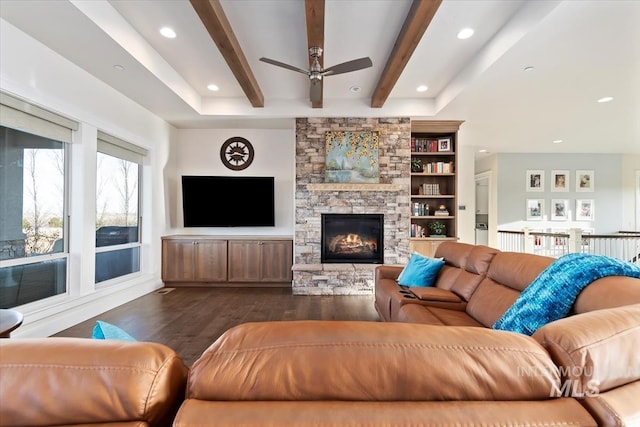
(107, 331)
(420, 271)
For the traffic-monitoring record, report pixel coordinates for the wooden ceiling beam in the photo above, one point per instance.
(314, 11)
(418, 19)
(215, 21)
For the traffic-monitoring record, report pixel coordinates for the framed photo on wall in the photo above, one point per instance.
(535, 180)
(559, 209)
(560, 180)
(585, 210)
(535, 209)
(585, 181)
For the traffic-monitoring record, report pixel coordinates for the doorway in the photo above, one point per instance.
(483, 184)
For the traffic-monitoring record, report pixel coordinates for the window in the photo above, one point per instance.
(33, 254)
(117, 208)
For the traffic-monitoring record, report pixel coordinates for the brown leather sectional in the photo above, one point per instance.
(438, 363)
(595, 349)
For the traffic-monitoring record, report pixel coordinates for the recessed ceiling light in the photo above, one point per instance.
(529, 68)
(482, 150)
(465, 33)
(168, 32)
(422, 88)
(355, 89)
(557, 141)
(213, 88)
(605, 99)
(118, 67)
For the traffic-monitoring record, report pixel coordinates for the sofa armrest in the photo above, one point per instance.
(369, 361)
(387, 272)
(65, 381)
(596, 351)
(434, 294)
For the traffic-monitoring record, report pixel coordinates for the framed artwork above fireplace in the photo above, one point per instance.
(352, 156)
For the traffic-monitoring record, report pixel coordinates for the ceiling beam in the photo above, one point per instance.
(215, 21)
(418, 19)
(314, 11)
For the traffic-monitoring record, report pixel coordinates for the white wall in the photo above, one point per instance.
(614, 193)
(35, 73)
(466, 193)
(197, 152)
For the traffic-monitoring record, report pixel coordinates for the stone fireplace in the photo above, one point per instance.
(352, 238)
(313, 197)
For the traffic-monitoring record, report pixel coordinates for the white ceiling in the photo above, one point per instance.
(580, 50)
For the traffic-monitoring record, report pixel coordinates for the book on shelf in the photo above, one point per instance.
(431, 189)
(420, 209)
(438, 167)
(426, 145)
(416, 230)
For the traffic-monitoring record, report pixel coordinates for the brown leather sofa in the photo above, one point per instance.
(82, 382)
(441, 365)
(595, 348)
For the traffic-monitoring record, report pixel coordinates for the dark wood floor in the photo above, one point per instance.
(190, 319)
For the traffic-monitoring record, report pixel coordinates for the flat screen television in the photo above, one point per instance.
(228, 201)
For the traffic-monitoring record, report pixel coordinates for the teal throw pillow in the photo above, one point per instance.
(420, 271)
(107, 331)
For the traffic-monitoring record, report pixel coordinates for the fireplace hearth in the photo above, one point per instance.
(352, 238)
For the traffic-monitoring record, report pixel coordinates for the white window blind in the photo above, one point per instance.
(117, 147)
(22, 115)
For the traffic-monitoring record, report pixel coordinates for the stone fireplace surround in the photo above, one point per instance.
(314, 197)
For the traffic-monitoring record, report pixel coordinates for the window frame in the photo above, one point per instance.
(133, 154)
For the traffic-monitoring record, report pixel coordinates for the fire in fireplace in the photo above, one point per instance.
(352, 238)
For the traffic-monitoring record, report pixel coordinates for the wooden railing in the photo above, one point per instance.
(624, 245)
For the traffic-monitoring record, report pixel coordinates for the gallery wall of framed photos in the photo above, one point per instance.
(560, 191)
(561, 207)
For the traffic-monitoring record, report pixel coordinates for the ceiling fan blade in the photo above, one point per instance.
(283, 65)
(315, 93)
(345, 67)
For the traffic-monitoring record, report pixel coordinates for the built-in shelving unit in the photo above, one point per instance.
(433, 184)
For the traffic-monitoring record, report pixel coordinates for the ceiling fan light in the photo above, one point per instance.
(465, 33)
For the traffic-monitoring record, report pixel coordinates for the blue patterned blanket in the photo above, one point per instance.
(552, 294)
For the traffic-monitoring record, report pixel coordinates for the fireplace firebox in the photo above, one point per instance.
(352, 238)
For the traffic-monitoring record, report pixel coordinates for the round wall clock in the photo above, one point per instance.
(236, 153)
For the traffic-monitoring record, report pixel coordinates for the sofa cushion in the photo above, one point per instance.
(490, 301)
(542, 413)
(615, 408)
(475, 269)
(420, 271)
(75, 381)
(599, 348)
(517, 270)
(334, 360)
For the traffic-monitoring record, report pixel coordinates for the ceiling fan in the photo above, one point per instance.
(316, 72)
